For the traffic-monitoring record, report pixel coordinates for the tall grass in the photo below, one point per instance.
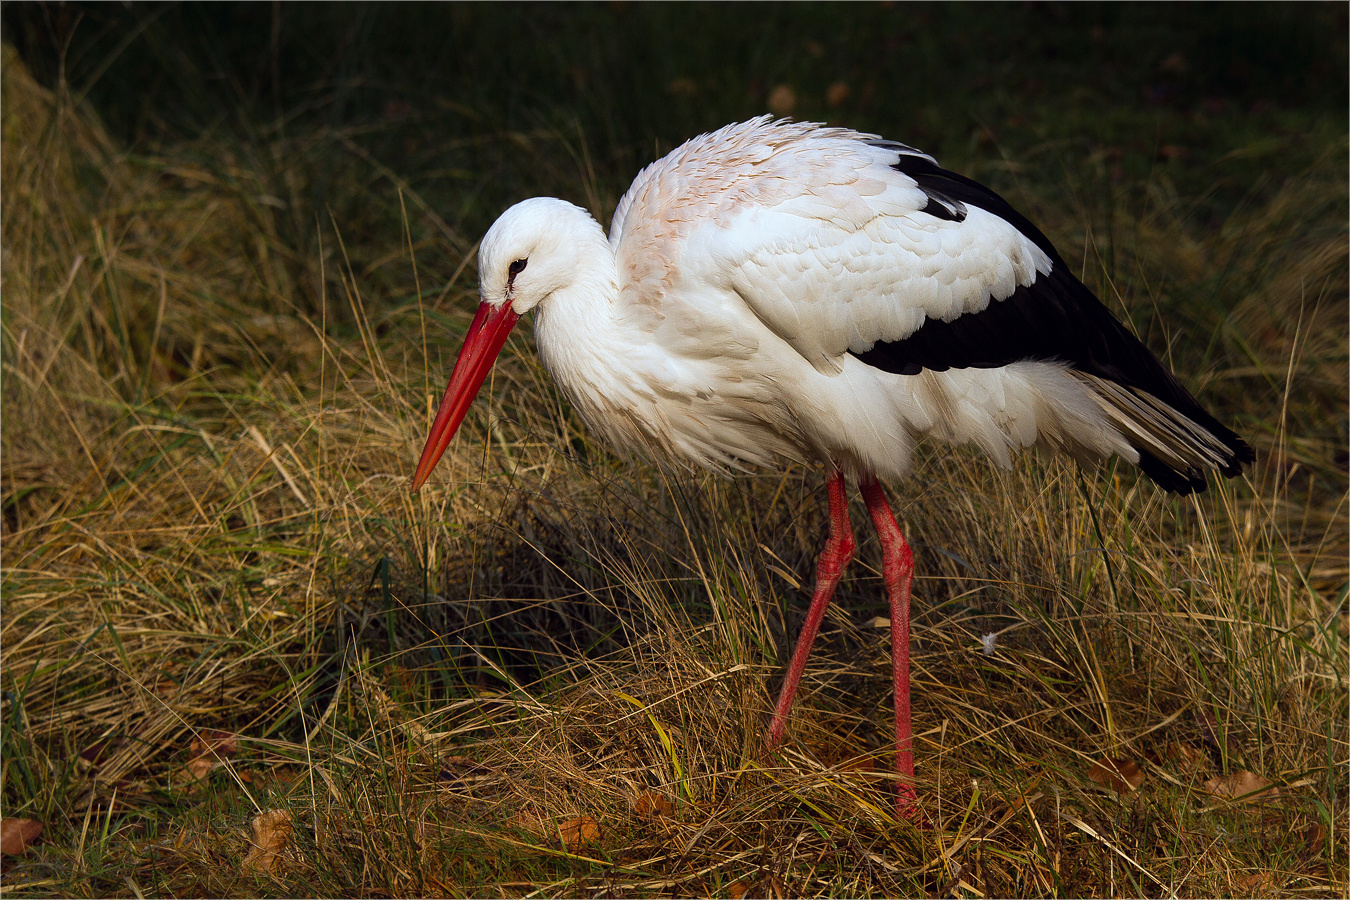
(206, 528)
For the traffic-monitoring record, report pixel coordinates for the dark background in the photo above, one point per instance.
(158, 69)
(424, 88)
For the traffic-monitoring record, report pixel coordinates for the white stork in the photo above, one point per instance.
(785, 291)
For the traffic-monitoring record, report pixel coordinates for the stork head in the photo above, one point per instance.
(535, 249)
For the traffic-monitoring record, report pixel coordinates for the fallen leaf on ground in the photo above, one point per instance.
(271, 833)
(199, 767)
(1314, 838)
(1245, 785)
(1256, 884)
(579, 831)
(1121, 775)
(738, 889)
(210, 742)
(17, 834)
(651, 805)
(278, 778)
(209, 750)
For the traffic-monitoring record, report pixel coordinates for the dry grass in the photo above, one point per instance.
(206, 527)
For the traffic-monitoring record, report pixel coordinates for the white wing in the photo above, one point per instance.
(819, 232)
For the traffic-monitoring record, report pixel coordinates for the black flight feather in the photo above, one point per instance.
(1055, 318)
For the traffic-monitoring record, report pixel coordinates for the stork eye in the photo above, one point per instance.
(512, 271)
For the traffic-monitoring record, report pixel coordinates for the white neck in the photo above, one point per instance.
(573, 327)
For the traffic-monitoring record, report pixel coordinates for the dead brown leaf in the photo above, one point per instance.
(210, 742)
(271, 833)
(17, 834)
(199, 767)
(1121, 775)
(1256, 884)
(579, 831)
(1314, 839)
(768, 886)
(208, 751)
(1244, 785)
(650, 804)
(277, 778)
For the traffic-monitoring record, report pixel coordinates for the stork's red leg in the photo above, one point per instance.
(897, 572)
(838, 551)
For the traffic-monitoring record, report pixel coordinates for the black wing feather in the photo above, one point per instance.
(1053, 319)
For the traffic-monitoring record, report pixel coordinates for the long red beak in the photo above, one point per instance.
(484, 341)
